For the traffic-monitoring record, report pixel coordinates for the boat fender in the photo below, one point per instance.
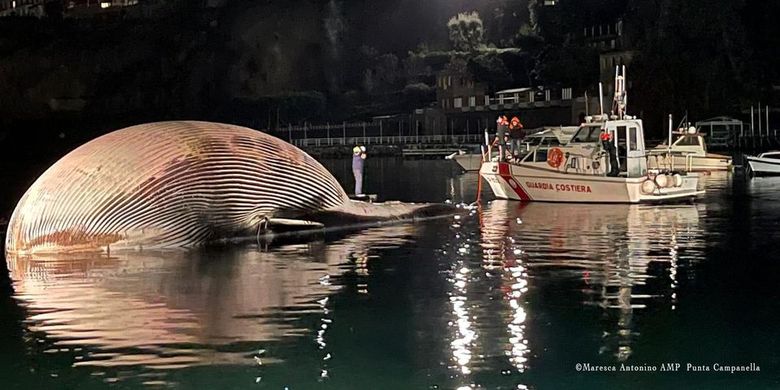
(555, 157)
(662, 180)
(670, 181)
(678, 180)
(648, 186)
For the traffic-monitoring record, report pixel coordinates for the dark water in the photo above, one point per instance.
(510, 296)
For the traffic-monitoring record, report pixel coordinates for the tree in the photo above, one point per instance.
(466, 31)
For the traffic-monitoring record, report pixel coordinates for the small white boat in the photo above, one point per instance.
(590, 170)
(765, 164)
(688, 153)
(546, 138)
(469, 161)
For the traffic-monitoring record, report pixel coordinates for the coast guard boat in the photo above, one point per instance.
(591, 169)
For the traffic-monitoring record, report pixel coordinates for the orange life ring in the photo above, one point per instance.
(555, 157)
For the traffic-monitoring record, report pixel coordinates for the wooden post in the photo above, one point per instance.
(343, 133)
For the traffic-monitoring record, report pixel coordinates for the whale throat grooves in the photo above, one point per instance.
(167, 184)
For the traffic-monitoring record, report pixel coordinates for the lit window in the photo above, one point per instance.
(472, 101)
(13, 4)
(458, 103)
(105, 5)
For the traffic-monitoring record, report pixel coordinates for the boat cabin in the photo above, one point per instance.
(687, 143)
(585, 153)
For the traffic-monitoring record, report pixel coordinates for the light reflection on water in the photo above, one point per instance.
(607, 249)
(504, 296)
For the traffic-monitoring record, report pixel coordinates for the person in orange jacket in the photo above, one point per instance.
(516, 134)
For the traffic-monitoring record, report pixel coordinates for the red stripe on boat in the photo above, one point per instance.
(503, 171)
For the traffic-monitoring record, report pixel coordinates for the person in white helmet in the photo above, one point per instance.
(358, 158)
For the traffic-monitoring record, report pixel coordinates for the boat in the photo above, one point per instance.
(689, 153)
(767, 163)
(590, 170)
(546, 137)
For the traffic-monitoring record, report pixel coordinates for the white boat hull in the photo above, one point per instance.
(531, 183)
(469, 161)
(764, 166)
(691, 163)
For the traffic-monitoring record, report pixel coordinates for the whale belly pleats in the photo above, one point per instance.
(169, 184)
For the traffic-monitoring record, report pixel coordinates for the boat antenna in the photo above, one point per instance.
(669, 142)
(601, 102)
(620, 99)
(586, 103)
(683, 122)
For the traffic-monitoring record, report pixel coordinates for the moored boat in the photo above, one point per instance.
(689, 153)
(765, 163)
(605, 162)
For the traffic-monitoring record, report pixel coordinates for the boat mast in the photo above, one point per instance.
(620, 100)
(669, 142)
(601, 102)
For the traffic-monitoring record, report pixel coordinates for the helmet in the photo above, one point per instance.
(604, 136)
(363, 149)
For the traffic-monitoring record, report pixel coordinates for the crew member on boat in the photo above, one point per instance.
(609, 147)
(502, 128)
(516, 134)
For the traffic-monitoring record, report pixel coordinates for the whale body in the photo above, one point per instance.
(178, 185)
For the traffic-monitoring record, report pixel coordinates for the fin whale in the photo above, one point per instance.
(183, 184)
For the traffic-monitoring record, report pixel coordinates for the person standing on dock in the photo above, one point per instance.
(358, 158)
(516, 134)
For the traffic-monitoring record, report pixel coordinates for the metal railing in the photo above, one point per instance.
(392, 140)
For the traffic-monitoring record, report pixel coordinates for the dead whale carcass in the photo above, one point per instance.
(180, 184)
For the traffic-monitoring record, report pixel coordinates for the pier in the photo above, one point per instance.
(338, 140)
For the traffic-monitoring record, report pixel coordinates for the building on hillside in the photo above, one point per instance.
(456, 88)
(465, 105)
(614, 48)
(28, 8)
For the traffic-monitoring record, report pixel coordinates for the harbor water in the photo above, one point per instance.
(506, 296)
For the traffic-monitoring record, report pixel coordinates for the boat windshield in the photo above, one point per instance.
(589, 134)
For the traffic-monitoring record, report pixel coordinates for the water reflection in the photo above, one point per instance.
(606, 251)
(179, 309)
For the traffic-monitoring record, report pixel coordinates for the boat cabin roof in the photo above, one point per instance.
(770, 154)
(562, 133)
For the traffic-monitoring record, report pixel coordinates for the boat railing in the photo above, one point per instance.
(665, 159)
